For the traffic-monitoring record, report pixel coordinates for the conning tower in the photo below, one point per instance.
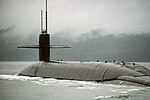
(44, 50)
(44, 41)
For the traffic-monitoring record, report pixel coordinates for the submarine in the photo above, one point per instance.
(107, 71)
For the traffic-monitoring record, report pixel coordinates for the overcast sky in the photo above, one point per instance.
(77, 16)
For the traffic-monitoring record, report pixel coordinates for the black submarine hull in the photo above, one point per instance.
(87, 71)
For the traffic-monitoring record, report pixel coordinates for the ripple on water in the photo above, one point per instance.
(122, 97)
(103, 91)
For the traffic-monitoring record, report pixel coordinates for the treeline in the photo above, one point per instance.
(88, 46)
(128, 47)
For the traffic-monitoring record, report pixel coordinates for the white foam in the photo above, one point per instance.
(71, 83)
(21, 78)
(125, 90)
(102, 97)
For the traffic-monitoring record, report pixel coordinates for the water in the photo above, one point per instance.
(13, 87)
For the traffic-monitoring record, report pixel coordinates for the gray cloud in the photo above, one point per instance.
(80, 16)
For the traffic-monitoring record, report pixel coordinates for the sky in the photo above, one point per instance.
(72, 22)
(77, 16)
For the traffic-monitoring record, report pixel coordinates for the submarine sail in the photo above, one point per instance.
(44, 41)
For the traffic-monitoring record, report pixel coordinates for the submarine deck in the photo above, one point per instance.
(88, 71)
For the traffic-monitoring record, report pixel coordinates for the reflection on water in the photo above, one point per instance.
(13, 87)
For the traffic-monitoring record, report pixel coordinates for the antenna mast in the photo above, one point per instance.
(42, 21)
(46, 16)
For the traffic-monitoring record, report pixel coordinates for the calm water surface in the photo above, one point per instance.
(13, 87)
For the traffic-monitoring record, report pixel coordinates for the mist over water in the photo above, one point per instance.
(91, 45)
